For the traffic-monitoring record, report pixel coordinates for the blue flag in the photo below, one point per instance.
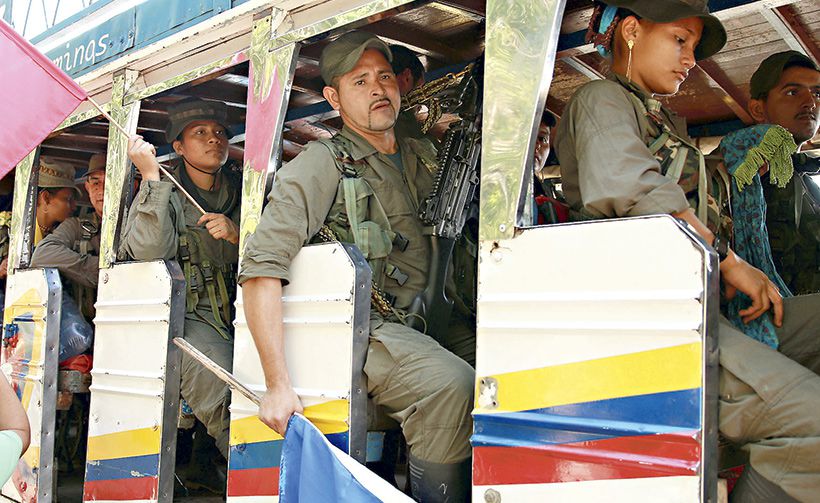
(315, 471)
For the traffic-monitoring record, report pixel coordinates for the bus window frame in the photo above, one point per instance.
(516, 107)
(24, 212)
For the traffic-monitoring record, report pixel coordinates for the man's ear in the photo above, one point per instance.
(177, 146)
(332, 96)
(757, 109)
(406, 76)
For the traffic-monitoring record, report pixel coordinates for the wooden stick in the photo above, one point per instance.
(218, 371)
(161, 167)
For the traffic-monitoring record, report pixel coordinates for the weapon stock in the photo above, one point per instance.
(445, 210)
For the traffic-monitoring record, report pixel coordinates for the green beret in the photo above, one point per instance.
(189, 110)
(341, 55)
(771, 69)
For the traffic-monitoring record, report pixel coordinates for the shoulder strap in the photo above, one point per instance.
(88, 229)
(340, 150)
(665, 134)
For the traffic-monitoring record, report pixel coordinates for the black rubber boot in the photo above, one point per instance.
(440, 482)
(205, 470)
(753, 487)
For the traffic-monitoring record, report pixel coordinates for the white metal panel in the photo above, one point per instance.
(584, 291)
(318, 316)
(130, 346)
(326, 312)
(29, 360)
(135, 383)
(586, 329)
(661, 489)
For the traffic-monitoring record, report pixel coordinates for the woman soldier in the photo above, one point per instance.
(623, 154)
(164, 225)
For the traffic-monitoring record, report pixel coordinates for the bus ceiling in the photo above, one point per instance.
(447, 34)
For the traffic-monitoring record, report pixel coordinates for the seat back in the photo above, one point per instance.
(603, 379)
(132, 428)
(31, 336)
(326, 317)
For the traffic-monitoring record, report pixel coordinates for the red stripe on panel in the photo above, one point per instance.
(661, 455)
(254, 482)
(138, 488)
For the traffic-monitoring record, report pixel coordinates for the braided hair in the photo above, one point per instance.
(603, 40)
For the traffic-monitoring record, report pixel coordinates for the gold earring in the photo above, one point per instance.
(630, 44)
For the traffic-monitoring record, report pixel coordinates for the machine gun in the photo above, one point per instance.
(446, 208)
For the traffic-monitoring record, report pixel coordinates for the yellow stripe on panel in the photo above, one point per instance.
(329, 417)
(656, 371)
(124, 444)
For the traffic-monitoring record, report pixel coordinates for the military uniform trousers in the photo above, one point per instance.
(425, 388)
(206, 394)
(770, 400)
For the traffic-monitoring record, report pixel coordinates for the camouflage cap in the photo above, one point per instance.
(341, 55)
(54, 175)
(96, 163)
(184, 112)
(771, 69)
(713, 37)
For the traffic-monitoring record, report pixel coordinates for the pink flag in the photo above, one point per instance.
(35, 97)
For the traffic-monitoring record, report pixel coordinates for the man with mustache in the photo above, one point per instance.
(785, 90)
(420, 384)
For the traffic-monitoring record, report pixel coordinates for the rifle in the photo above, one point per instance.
(446, 208)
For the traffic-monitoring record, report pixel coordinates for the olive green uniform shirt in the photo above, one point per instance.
(302, 196)
(153, 228)
(607, 169)
(61, 249)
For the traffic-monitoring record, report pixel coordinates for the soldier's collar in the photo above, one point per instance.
(653, 106)
(361, 148)
(635, 88)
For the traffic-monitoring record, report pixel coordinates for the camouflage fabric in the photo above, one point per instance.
(795, 249)
(681, 160)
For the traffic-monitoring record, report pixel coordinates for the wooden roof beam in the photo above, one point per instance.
(785, 21)
(582, 68)
(732, 96)
(393, 32)
(476, 7)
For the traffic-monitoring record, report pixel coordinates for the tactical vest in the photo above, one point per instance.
(793, 222)
(358, 217)
(86, 296)
(210, 284)
(705, 183)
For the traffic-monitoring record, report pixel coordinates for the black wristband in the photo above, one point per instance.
(721, 246)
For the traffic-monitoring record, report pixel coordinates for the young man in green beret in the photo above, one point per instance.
(785, 90)
(164, 225)
(420, 384)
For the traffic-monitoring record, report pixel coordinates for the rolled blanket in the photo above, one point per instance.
(745, 152)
